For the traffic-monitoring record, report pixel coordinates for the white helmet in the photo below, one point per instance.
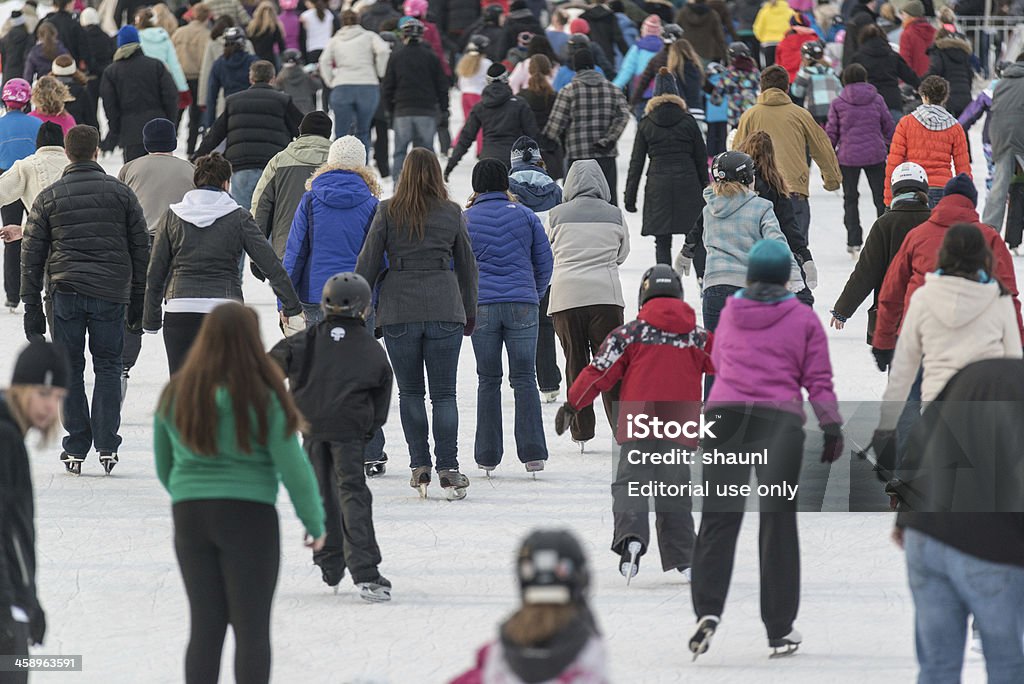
(909, 176)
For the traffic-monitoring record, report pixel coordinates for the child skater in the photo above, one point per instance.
(659, 358)
(815, 85)
(341, 380)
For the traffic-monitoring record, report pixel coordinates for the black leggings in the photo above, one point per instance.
(12, 214)
(229, 553)
(180, 331)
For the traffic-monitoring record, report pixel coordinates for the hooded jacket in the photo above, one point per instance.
(589, 241)
(302, 87)
(512, 252)
(885, 70)
(588, 111)
(1005, 129)
(230, 74)
(915, 40)
(860, 126)
(788, 53)
(18, 133)
(535, 189)
(328, 231)
(659, 358)
(17, 519)
(767, 352)
(950, 323)
(354, 56)
(156, 43)
(703, 28)
(918, 255)
(950, 58)
(257, 124)
(282, 185)
(636, 60)
(931, 137)
(605, 29)
(135, 90)
(503, 117)
(793, 131)
(190, 43)
(196, 251)
(677, 176)
(214, 51)
(772, 22)
(28, 177)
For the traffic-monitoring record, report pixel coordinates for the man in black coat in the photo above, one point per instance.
(87, 232)
(863, 14)
(257, 123)
(69, 31)
(14, 47)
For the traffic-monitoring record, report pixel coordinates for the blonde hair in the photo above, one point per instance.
(264, 20)
(469, 65)
(17, 401)
(49, 96)
(536, 623)
(728, 188)
(681, 52)
(164, 18)
(472, 198)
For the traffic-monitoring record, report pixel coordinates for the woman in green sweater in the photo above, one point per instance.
(224, 436)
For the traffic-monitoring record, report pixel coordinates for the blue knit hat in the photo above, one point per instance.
(665, 83)
(961, 184)
(127, 35)
(769, 262)
(159, 135)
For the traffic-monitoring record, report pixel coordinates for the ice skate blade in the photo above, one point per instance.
(784, 651)
(631, 568)
(700, 642)
(455, 493)
(369, 595)
(422, 490)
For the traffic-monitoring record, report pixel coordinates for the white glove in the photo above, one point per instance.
(796, 286)
(810, 275)
(682, 265)
(293, 325)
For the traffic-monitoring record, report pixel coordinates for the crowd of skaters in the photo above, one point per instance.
(730, 105)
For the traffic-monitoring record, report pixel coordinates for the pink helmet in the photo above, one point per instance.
(415, 8)
(17, 90)
(288, 5)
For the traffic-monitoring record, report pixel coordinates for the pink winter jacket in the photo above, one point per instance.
(765, 352)
(492, 667)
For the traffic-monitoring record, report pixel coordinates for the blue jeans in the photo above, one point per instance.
(74, 317)
(354, 105)
(419, 131)
(712, 303)
(948, 585)
(242, 185)
(433, 345)
(909, 416)
(514, 326)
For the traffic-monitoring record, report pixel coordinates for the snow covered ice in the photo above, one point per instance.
(109, 582)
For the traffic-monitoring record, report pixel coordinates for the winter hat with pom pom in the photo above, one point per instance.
(525, 153)
(665, 83)
(347, 153)
(651, 26)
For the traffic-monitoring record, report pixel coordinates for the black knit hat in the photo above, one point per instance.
(490, 175)
(49, 134)
(582, 59)
(525, 153)
(41, 363)
(316, 123)
(961, 184)
(159, 135)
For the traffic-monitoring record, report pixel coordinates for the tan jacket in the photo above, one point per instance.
(190, 44)
(794, 131)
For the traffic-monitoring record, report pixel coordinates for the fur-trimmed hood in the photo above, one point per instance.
(953, 42)
(366, 173)
(664, 99)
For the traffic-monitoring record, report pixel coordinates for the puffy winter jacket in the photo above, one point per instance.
(950, 58)
(535, 189)
(196, 251)
(512, 252)
(636, 60)
(17, 519)
(354, 56)
(918, 255)
(87, 232)
(589, 241)
(885, 70)
(156, 43)
(915, 40)
(772, 21)
(503, 117)
(860, 126)
(282, 185)
(136, 89)
(190, 45)
(328, 231)
(703, 28)
(678, 174)
(230, 74)
(257, 124)
(931, 137)
(17, 137)
(1007, 103)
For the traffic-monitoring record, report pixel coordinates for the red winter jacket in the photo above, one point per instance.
(916, 38)
(919, 254)
(787, 53)
(660, 358)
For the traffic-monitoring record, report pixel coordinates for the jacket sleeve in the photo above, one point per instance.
(867, 275)
(906, 74)
(371, 256)
(465, 267)
(292, 118)
(796, 240)
(620, 257)
(885, 116)
(822, 152)
(441, 87)
(897, 155)
(905, 364)
(259, 250)
(974, 111)
(12, 184)
(388, 86)
(607, 368)
(799, 87)
(174, 67)
(558, 120)
(169, 94)
(636, 169)
(326, 63)
(35, 250)
(214, 136)
(281, 354)
(619, 39)
(212, 93)
(382, 395)
(381, 54)
(205, 70)
(528, 122)
(291, 463)
(1006, 275)
(296, 251)
(890, 299)
(627, 69)
(156, 277)
(622, 117)
(263, 197)
(466, 137)
(541, 256)
(832, 127)
(138, 241)
(163, 450)
(816, 374)
(770, 230)
(108, 93)
(961, 157)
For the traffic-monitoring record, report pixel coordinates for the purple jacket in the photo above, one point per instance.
(766, 352)
(860, 126)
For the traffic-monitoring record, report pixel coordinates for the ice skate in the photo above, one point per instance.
(785, 646)
(453, 483)
(687, 574)
(487, 469)
(582, 444)
(72, 463)
(420, 480)
(629, 564)
(854, 252)
(12, 306)
(376, 468)
(701, 639)
(377, 591)
(332, 578)
(108, 459)
(534, 467)
(549, 397)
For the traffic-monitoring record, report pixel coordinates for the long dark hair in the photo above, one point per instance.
(540, 45)
(420, 186)
(540, 68)
(761, 149)
(227, 353)
(47, 34)
(965, 254)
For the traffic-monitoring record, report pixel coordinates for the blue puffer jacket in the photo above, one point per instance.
(342, 208)
(511, 248)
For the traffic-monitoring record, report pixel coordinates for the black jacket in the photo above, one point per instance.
(340, 378)
(257, 124)
(550, 150)
(83, 109)
(605, 30)
(950, 58)
(515, 23)
(101, 49)
(14, 49)
(17, 519)
(885, 70)
(880, 248)
(414, 83)
(678, 174)
(503, 117)
(860, 17)
(135, 90)
(494, 33)
(88, 232)
(376, 14)
(69, 31)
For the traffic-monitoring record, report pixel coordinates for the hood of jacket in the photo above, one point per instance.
(723, 206)
(339, 188)
(953, 209)
(934, 117)
(671, 315)
(859, 94)
(495, 94)
(351, 32)
(650, 44)
(1015, 70)
(154, 35)
(546, 661)
(590, 78)
(751, 314)
(957, 301)
(202, 208)
(666, 110)
(238, 60)
(959, 49)
(127, 51)
(535, 189)
(773, 97)
(308, 150)
(586, 180)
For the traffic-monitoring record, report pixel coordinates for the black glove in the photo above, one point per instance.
(37, 625)
(564, 418)
(378, 332)
(110, 143)
(883, 443)
(255, 270)
(448, 171)
(833, 448)
(134, 317)
(604, 145)
(883, 358)
(470, 326)
(35, 322)
(631, 207)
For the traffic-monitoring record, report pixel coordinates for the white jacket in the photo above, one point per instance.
(354, 56)
(31, 175)
(951, 322)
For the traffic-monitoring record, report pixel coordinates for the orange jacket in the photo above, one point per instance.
(931, 137)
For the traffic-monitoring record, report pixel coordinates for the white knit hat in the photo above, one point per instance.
(347, 152)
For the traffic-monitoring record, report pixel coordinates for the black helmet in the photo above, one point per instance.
(477, 43)
(660, 281)
(492, 13)
(291, 56)
(670, 33)
(346, 294)
(234, 35)
(733, 166)
(578, 40)
(739, 49)
(812, 49)
(412, 29)
(552, 568)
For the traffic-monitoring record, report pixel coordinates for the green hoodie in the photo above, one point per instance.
(232, 474)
